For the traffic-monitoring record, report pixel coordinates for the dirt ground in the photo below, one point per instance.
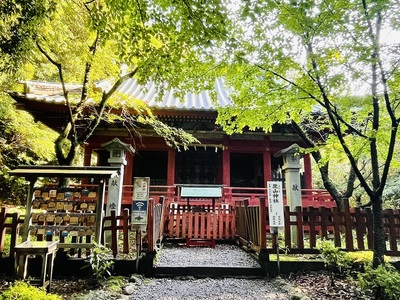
(316, 285)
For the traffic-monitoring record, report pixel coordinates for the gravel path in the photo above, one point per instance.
(193, 288)
(207, 288)
(222, 255)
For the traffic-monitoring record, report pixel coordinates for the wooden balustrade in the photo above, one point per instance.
(350, 230)
(310, 197)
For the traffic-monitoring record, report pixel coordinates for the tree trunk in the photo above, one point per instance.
(379, 233)
(328, 184)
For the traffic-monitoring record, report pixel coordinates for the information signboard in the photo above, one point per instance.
(275, 204)
(140, 200)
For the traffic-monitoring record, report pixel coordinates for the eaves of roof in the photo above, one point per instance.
(148, 93)
(64, 171)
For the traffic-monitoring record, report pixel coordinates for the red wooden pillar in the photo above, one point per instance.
(267, 161)
(226, 167)
(307, 171)
(226, 162)
(171, 167)
(128, 172)
(87, 156)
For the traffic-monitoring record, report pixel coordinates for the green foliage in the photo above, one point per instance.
(336, 261)
(114, 283)
(19, 24)
(163, 42)
(363, 258)
(328, 70)
(23, 291)
(384, 281)
(23, 142)
(391, 194)
(101, 261)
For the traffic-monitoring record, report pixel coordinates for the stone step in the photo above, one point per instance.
(208, 271)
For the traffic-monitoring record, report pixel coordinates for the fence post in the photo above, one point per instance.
(312, 224)
(114, 232)
(150, 226)
(299, 226)
(163, 210)
(263, 256)
(388, 213)
(324, 219)
(263, 224)
(360, 228)
(3, 213)
(125, 229)
(348, 226)
(288, 241)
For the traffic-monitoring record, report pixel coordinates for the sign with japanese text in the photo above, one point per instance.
(141, 188)
(141, 192)
(275, 204)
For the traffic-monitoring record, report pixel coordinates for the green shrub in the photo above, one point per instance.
(21, 290)
(114, 283)
(384, 281)
(101, 262)
(364, 257)
(335, 260)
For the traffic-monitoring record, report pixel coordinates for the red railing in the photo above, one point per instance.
(350, 229)
(310, 197)
(200, 222)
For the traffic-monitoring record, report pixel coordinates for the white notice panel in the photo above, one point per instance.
(275, 204)
(141, 187)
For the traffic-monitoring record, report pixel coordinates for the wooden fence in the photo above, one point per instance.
(113, 226)
(350, 229)
(12, 223)
(200, 222)
(155, 229)
(250, 223)
(121, 225)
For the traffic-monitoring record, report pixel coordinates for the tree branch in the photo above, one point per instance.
(336, 123)
(292, 83)
(71, 127)
(106, 95)
(88, 68)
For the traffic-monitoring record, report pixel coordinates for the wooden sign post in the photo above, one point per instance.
(141, 191)
(275, 211)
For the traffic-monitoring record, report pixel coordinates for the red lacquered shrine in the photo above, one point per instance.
(241, 163)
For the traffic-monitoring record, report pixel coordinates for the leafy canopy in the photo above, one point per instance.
(304, 61)
(328, 69)
(166, 42)
(18, 28)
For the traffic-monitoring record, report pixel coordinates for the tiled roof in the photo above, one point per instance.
(191, 101)
(147, 93)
